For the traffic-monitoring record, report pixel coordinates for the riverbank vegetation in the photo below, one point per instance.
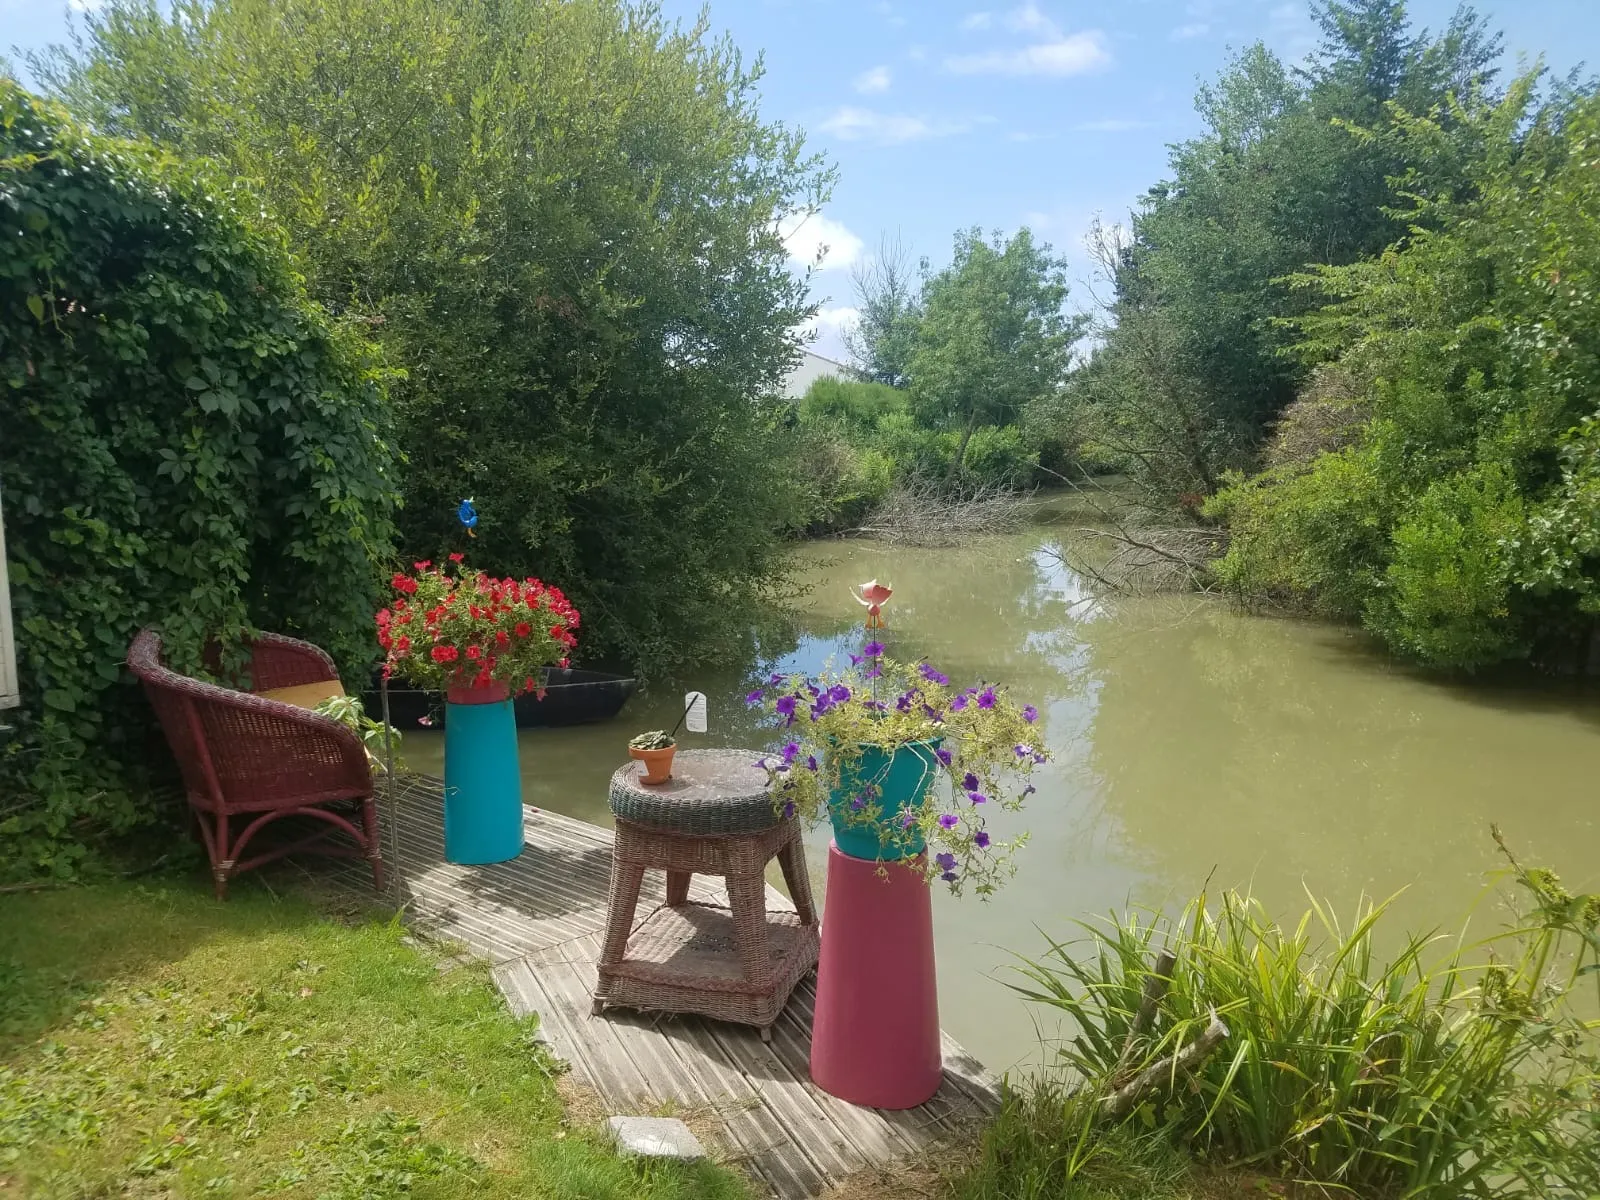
(1355, 329)
(951, 365)
(1226, 1040)
(153, 1041)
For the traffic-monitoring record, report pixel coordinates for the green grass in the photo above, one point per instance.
(154, 1042)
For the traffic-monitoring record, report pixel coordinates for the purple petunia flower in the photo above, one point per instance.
(788, 811)
(838, 693)
(944, 756)
(785, 705)
(822, 705)
(981, 840)
(1021, 751)
(1039, 756)
(977, 797)
(932, 675)
(908, 818)
(855, 660)
(873, 650)
(933, 714)
(1029, 790)
(774, 679)
(948, 876)
(811, 761)
(904, 702)
(959, 703)
(949, 821)
(875, 673)
(791, 752)
(859, 802)
(946, 861)
(986, 698)
(754, 698)
(970, 782)
(1030, 714)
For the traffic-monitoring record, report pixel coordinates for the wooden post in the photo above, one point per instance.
(8, 652)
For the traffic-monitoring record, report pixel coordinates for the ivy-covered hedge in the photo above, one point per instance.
(185, 440)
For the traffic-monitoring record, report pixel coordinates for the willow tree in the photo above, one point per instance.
(559, 219)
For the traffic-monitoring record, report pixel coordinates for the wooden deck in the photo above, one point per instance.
(539, 919)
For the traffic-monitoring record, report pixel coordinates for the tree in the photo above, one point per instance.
(1296, 167)
(560, 220)
(885, 334)
(993, 336)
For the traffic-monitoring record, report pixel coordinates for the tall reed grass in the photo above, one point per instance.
(1450, 1068)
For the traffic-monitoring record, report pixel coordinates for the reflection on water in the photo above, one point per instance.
(1191, 742)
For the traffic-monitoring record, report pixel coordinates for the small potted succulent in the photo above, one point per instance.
(654, 749)
(866, 746)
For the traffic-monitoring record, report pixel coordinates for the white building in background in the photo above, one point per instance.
(811, 368)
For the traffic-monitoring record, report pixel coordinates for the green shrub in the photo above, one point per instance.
(997, 456)
(1313, 539)
(1446, 597)
(1468, 1071)
(188, 442)
(859, 404)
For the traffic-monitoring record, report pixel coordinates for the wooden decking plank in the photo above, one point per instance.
(776, 1155)
(783, 1094)
(876, 1139)
(612, 1073)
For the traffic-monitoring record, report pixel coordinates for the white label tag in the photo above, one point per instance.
(694, 705)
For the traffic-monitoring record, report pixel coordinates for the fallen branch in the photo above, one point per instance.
(920, 513)
(1124, 1099)
(1155, 987)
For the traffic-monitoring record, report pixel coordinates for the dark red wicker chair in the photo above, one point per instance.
(247, 760)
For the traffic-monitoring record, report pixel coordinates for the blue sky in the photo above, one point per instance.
(1044, 112)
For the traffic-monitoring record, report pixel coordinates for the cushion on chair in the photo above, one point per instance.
(305, 695)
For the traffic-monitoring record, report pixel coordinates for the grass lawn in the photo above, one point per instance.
(154, 1042)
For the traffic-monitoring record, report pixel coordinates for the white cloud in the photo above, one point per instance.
(1029, 19)
(853, 124)
(877, 79)
(1022, 135)
(917, 52)
(977, 20)
(1070, 55)
(815, 240)
(825, 331)
(1184, 32)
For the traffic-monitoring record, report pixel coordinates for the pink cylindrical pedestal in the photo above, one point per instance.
(875, 1035)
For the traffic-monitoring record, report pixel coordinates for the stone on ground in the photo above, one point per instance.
(654, 1137)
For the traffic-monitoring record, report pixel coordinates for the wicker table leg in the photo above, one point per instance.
(678, 888)
(626, 879)
(792, 859)
(747, 899)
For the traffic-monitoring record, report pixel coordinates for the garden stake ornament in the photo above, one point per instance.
(468, 516)
(873, 596)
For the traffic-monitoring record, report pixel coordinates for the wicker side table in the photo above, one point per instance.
(737, 963)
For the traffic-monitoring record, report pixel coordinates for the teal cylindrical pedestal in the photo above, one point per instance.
(482, 783)
(874, 792)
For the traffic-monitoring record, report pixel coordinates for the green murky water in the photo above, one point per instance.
(1191, 741)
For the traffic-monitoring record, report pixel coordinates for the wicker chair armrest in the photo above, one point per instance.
(277, 661)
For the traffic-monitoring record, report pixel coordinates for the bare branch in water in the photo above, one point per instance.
(921, 513)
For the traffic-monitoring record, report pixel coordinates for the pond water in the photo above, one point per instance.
(1191, 742)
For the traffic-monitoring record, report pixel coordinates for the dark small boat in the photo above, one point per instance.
(571, 697)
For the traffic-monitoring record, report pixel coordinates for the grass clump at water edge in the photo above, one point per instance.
(1471, 1070)
(156, 1043)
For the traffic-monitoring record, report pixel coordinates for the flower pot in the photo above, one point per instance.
(901, 780)
(482, 782)
(656, 764)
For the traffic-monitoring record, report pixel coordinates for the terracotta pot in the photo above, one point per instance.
(657, 763)
(493, 693)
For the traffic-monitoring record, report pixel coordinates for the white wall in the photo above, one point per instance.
(811, 368)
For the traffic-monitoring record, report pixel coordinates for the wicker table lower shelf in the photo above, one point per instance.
(698, 942)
